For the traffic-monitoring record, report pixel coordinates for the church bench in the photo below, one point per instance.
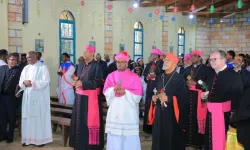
(65, 123)
(54, 98)
(61, 110)
(56, 104)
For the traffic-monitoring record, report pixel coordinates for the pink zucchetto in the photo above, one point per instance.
(90, 48)
(187, 57)
(156, 51)
(122, 55)
(197, 52)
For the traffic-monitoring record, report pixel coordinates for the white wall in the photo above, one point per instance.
(152, 33)
(173, 27)
(48, 27)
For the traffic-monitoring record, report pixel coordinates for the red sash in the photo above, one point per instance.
(93, 114)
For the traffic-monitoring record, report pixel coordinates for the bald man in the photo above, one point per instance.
(36, 119)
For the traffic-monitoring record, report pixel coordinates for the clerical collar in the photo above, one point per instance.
(237, 70)
(221, 69)
(196, 65)
(88, 63)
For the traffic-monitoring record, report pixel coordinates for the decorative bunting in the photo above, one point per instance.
(211, 9)
(53, 7)
(239, 4)
(38, 8)
(173, 18)
(248, 19)
(157, 11)
(218, 25)
(150, 15)
(192, 9)
(232, 21)
(175, 10)
(82, 3)
(109, 6)
(161, 17)
(130, 9)
(211, 21)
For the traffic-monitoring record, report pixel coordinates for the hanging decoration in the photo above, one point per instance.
(232, 21)
(204, 24)
(82, 3)
(211, 21)
(175, 10)
(248, 19)
(211, 9)
(100, 21)
(192, 9)
(173, 18)
(161, 17)
(239, 4)
(218, 25)
(109, 6)
(191, 20)
(93, 19)
(53, 6)
(78, 10)
(157, 11)
(38, 8)
(150, 15)
(130, 9)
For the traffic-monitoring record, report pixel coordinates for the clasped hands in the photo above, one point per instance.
(151, 76)
(27, 83)
(162, 97)
(119, 90)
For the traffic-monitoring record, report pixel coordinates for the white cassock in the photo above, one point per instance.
(122, 123)
(144, 88)
(36, 118)
(65, 91)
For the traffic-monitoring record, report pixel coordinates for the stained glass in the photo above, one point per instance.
(67, 46)
(66, 15)
(138, 25)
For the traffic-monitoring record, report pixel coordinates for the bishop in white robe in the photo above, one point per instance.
(65, 89)
(123, 92)
(36, 118)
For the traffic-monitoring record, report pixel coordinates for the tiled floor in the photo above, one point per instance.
(57, 143)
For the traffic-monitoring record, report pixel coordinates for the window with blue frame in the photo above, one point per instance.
(67, 35)
(181, 42)
(138, 40)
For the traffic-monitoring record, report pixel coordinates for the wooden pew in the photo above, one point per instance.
(61, 115)
(65, 122)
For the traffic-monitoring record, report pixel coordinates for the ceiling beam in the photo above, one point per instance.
(161, 3)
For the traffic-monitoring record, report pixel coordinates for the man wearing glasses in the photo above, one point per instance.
(223, 96)
(9, 78)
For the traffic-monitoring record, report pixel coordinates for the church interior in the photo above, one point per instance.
(178, 26)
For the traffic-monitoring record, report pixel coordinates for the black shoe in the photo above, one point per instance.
(24, 144)
(9, 141)
(41, 145)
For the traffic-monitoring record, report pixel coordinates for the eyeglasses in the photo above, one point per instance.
(213, 59)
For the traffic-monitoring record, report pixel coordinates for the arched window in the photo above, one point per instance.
(138, 40)
(181, 41)
(67, 34)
